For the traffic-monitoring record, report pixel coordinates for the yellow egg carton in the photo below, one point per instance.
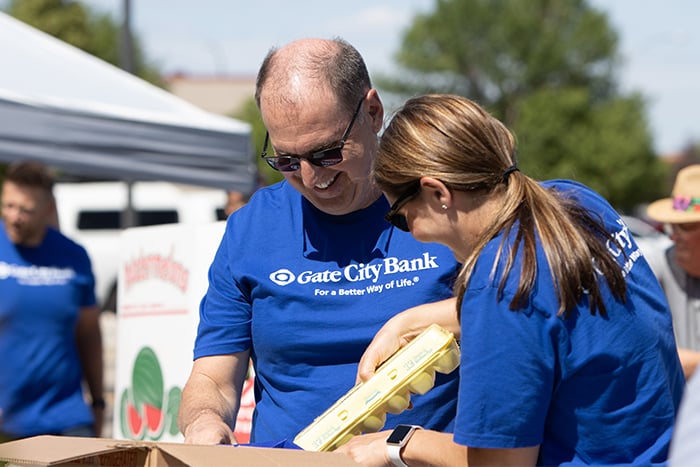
(363, 409)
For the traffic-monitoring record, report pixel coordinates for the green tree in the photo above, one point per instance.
(95, 33)
(603, 143)
(547, 68)
(250, 113)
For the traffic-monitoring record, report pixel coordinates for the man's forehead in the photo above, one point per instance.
(311, 109)
(24, 191)
(292, 99)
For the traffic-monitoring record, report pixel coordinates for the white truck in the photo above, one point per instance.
(91, 214)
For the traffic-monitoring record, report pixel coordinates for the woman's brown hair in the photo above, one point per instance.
(454, 140)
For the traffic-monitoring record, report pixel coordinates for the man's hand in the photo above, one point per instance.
(209, 429)
(210, 399)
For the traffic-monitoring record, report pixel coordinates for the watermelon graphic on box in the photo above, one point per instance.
(145, 411)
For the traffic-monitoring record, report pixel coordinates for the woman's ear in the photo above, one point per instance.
(437, 192)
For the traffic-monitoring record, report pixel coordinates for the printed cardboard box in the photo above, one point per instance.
(72, 451)
(162, 279)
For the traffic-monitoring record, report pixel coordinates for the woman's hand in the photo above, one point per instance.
(425, 448)
(368, 450)
(402, 329)
(390, 338)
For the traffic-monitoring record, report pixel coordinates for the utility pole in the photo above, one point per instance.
(128, 217)
(127, 47)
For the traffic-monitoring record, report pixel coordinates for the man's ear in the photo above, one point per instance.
(376, 110)
(52, 218)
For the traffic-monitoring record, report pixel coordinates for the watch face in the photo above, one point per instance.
(399, 433)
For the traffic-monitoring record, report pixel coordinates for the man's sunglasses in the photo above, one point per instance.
(325, 158)
(393, 216)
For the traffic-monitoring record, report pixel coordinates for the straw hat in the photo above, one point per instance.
(684, 206)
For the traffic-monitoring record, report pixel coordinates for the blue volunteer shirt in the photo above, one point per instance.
(41, 292)
(589, 390)
(306, 292)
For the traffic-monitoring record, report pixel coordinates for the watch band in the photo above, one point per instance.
(397, 440)
(98, 403)
(395, 455)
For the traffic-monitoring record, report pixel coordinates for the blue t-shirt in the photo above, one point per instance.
(41, 292)
(588, 389)
(306, 292)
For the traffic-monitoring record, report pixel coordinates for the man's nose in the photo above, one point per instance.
(308, 173)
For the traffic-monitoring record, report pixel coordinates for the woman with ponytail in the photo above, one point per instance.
(568, 354)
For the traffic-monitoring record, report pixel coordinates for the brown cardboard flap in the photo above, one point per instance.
(53, 450)
(196, 455)
(75, 451)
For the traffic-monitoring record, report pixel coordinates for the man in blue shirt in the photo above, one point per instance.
(308, 270)
(50, 337)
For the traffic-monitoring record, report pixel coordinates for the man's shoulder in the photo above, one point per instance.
(276, 194)
(56, 238)
(267, 209)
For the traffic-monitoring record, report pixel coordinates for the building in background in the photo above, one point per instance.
(222, 95)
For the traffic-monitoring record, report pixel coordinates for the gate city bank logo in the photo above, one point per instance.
(282, 277)
(356, 272)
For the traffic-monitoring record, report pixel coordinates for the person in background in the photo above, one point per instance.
(567, 348)
(685, 448)
(308, 270)
(234, 201)
(50, 338)
(678, 266)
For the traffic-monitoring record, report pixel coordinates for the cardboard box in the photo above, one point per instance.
(162, 279)
(73, 451)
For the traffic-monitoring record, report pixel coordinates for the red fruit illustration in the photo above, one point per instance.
(154, 417)
(142, 404)
(135, 420)
(145, 410)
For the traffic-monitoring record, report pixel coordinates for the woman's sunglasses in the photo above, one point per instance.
(325, 158)
(393, 216)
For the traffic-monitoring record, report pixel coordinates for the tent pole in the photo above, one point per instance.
(129, 214)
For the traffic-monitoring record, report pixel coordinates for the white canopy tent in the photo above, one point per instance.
(84, 116)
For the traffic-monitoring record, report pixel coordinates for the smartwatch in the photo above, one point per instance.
(397, 440)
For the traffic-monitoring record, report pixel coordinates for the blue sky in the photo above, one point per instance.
(659, 42)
